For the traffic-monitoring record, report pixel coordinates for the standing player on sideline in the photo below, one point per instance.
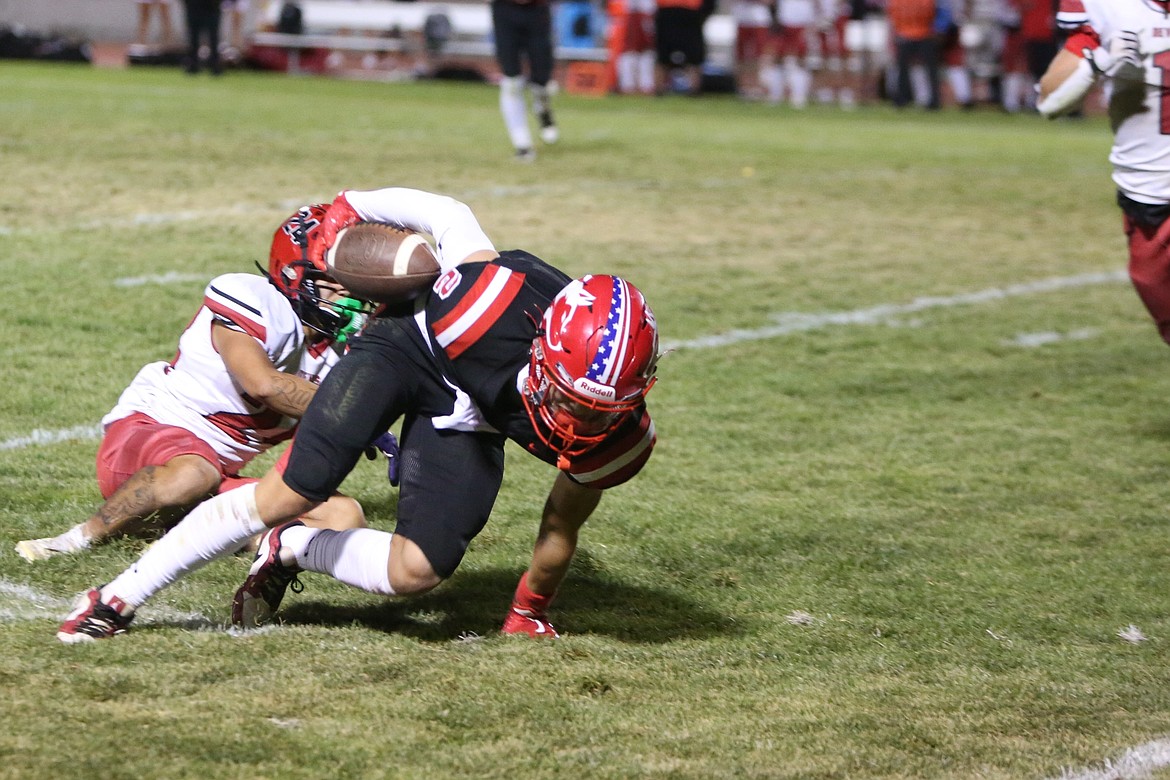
(504, 347)
(247, 366)
(1128, 43)
(635, 63)
(785, 66)
(523, 32)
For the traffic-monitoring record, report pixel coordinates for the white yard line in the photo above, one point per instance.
(23, 602)
(40, 436)
(796, 322)
(171, 277)
(1135, 764)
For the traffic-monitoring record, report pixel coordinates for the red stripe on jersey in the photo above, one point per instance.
(478, 310)
(1072, 7)
(251, 429)
(254, 329)
(616, 460)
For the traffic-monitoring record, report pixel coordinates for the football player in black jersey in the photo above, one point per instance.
(524, 37)
(504, 347)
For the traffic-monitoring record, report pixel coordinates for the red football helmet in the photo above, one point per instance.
(591, 364)
(295, 275)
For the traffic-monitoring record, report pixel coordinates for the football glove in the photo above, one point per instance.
(1122, 60)
(388, 446)
(528, 614)
(338, 217)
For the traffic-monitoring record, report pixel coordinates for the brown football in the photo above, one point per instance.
(383, 263)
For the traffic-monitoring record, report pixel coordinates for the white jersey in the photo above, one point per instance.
(797, 13)
(1141, 144)
(195, 391)
(750, 13)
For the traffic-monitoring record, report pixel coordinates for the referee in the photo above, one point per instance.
(523, 32)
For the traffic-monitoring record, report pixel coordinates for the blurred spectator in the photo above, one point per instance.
(523, 32)
(912, 23)
(954, 62)
(982, 34)
(1015, 85)
(786, 69)
(203, 19)
(160, 9)
(682, 50)
(236, 12)
(830, 38)
(1038, 26)
(1028, 48)
(752, 22)
(867, 46)
(635, 61)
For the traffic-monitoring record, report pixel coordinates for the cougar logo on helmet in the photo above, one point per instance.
(299, 225)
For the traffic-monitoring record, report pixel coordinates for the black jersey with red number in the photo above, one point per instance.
(481, 319)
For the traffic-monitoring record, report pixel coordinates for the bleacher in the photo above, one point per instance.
(353, 36)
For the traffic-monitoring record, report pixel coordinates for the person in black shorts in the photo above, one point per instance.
(203, 18)
(523, 33)
(681, 47)
(503, 347)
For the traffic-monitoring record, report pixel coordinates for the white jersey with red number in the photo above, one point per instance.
(195, 391)
(1141, 146)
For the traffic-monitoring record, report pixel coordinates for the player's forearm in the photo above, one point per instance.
(458, 235)
(1064, 85)
(287, 394)
(568, 506)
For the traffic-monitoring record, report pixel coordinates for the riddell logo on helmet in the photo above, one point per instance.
(595, 390)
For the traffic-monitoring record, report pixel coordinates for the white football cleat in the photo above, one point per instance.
(550, 134)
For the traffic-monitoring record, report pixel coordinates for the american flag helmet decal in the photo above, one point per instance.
(611, 349)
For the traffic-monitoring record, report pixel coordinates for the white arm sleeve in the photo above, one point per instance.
(455, 229)
(1070, 92)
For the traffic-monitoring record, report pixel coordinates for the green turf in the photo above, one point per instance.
(893, 543)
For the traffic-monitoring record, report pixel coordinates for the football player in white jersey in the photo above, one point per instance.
(503, 347)
(1127, 43)
(785, 66)
(246, 368)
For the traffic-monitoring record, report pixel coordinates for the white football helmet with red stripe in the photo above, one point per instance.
(592, 362)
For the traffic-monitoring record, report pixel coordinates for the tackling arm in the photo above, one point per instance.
(254, 372)
(458, 235)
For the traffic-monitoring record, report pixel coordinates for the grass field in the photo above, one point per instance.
(910, 486)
